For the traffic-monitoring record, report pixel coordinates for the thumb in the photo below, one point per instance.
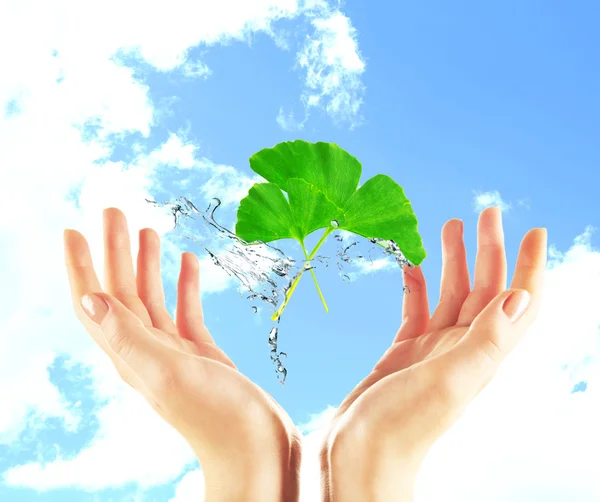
(496, 330)
(473, 361)
(133, 350)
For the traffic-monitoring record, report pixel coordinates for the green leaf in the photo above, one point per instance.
(321, 182)
(330, 169)
(265, 214)
(310, 207)
(380, 209)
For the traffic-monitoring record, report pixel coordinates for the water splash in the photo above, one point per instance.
(264, 271)
(275, 357)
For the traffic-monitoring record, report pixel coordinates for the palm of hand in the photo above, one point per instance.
(419, 387)
(209, 383)
(195, 387)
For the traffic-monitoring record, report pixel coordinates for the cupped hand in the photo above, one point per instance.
(436, 366)
(176, 366)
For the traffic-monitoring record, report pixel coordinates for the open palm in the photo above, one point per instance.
(436, 366)
(188, 380)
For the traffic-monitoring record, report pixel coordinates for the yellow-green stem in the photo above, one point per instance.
(277, 314)
(315, 279)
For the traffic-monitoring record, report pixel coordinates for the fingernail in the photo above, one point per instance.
(94, 307)
(516, 304)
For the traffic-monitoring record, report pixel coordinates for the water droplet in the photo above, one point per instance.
(334, 223)
(279, 368)
(406, 289)
(273, 336)
(255, 309)
(281, 375)
(280, 271)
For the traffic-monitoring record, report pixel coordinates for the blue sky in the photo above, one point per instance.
(465, 105)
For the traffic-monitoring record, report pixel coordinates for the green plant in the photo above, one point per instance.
(321, 182)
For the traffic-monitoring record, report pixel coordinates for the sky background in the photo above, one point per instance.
(465, 105)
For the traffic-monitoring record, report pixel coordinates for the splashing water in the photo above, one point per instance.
(279, 368)
(262, 270)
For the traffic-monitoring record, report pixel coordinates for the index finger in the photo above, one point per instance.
(82, 280)
(80, 269)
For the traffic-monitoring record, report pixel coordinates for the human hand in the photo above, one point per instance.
(435, 367)
(247, 445)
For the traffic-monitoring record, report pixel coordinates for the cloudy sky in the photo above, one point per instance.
(110, 103)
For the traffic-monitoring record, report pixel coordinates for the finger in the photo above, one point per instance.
(531, 269)
(455, 284)
(152, 363)
(473, 362)
(119, 276)
(190, 317)
(82, 280)
(490, 266)
(415, 306)
(80, 269)
(149, 281)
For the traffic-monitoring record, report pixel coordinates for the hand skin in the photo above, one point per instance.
(248, 447)
(435, 367)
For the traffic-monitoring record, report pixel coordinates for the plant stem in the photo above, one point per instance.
(315, 279)
(277, 314)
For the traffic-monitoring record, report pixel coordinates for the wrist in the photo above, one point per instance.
(361, 470)
(270, 474)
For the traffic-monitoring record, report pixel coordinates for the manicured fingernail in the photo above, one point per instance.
(516, 304)
(94, 307)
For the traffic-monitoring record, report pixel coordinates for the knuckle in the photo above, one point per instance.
(121, 343)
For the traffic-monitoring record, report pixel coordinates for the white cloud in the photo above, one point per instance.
(288, 122)
(98, 466)
(368, 267)
(334, 67)
(174, 152)
(482, 200)
(524, 203)
(226, 183)
(189, 487)
(196, 70)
